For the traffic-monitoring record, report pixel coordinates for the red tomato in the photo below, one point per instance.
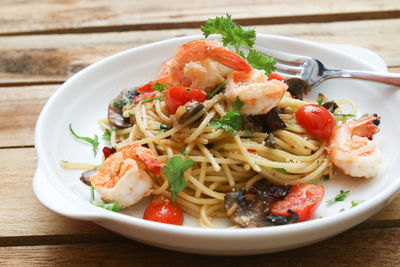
(179, 96)
(317, 120)
(303, 199)
(162, 210)
(276, 77)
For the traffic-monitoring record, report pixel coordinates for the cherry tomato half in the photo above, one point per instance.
(179, 96)
(276, 77)
(317, 120)
(303, 199)
(162, 210)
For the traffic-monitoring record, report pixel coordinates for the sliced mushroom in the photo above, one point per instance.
(115, 108)
(298, 87)
(265, 122)
(189, 111)
(85, 176)
(253, 214)
(270, 141)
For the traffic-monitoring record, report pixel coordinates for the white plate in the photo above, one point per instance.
(83, 99)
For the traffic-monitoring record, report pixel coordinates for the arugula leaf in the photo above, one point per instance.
(232, 121)
(108, 206)
(94, 141)
(261, 62)
(160, 87)
(174, 172)
(232, 33)
(340, 197)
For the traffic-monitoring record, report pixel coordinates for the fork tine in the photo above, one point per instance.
(283, 56)
(286, 75)
(288, 68)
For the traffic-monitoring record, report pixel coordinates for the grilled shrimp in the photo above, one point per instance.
(258, 94)
(202, 64)
(350, 149)
(122, 178)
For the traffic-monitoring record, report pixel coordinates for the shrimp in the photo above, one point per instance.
(202, 64)
(258, 94)
(350, 149)
(122, 179)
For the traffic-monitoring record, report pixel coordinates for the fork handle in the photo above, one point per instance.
(382, 77)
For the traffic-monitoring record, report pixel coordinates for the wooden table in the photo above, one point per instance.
(42, 43)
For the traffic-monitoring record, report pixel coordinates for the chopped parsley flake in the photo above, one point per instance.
(340, 197)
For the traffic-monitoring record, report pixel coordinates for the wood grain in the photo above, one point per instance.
(54, 58)
(25, 221)
(68, 16)
(369, 247)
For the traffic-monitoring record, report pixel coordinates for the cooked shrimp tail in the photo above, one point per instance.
(351, 149)
(122, 177)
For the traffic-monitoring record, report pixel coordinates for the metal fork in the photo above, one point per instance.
(314, 72)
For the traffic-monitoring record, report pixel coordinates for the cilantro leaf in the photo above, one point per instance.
(174, 172)
(94, 142)
(232, 33)
(340, 197)
(108, 206)
(260, 61)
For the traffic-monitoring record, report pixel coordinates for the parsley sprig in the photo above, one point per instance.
(94, 142)
(108, 206)
(237, 36)
(340, 197)
(232, 121)
(174, 172)
(232, 33)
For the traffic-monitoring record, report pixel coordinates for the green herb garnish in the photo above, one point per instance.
(94, 142)
(340, 197)
(281, 170)
(151, 99)
(356, 202)
(221, 149)
(216, 90)
(341, 210)
(232, 33)
(174, 172)
(164, 127)
(260, 61)
(160, 87)
(108, 206)
(232, 121)
(326, 177)
(122, 102)
(320, 101)
(237, 36)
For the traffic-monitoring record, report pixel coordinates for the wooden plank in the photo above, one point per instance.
(22, 215)
(54, 58)
(369, 247)
(56, 16)
(19, 109)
